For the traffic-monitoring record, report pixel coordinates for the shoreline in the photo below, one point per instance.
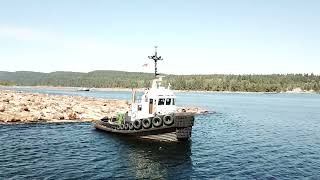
(295, 91)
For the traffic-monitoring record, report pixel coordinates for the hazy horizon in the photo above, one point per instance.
(203, 37)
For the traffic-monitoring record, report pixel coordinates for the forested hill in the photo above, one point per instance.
(97, 79)
(121, 79)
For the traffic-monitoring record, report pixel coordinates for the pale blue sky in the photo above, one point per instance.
(238, 37)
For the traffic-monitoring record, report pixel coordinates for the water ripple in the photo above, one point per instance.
(249, 137)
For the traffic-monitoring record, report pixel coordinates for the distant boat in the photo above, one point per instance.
(84, 89)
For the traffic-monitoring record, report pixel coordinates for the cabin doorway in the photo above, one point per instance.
(150, 106)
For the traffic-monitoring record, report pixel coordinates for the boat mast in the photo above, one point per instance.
(156, 58)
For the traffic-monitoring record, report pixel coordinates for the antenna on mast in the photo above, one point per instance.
(156, 58)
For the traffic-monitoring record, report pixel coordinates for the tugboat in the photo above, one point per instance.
(153, 116)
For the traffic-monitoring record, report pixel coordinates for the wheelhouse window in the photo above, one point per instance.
(168, 101)
(173, 101)
(139, 107)
(161, 101)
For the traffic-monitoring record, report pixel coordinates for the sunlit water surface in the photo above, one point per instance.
(255, 136)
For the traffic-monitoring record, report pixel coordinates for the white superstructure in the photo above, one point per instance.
(157, 100)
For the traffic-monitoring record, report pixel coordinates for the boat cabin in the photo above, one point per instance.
(157, 100)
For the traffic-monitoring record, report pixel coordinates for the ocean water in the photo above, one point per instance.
(251, 136)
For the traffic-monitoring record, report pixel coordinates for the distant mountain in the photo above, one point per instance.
(122, 79)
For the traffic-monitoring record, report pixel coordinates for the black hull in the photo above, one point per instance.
(179, 130)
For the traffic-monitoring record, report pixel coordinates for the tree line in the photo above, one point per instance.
(6, 83)
(247, 83)
(121, 79)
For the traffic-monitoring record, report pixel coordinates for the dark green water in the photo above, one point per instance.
(251, 136)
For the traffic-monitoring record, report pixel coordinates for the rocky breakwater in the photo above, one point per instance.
(22, 107)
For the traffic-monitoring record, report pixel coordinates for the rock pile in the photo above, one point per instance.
(32, 107)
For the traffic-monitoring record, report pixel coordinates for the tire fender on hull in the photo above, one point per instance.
(126, 126)
(131, 127)
(168, 120)
(137, 124)
(157, 121)
(146, 123)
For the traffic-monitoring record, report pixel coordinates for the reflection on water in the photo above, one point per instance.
(252, 136)
(155, 159)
